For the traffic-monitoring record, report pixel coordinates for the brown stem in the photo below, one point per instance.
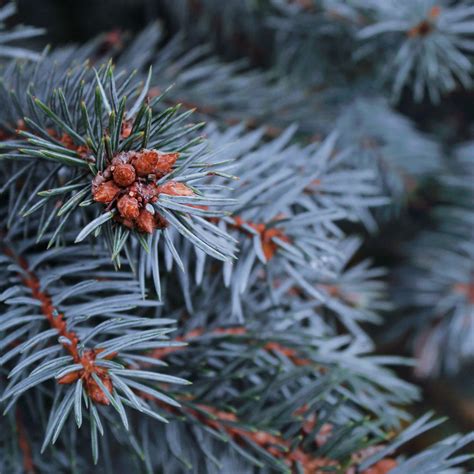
(56, 320)
(24, 444)
(276, 347)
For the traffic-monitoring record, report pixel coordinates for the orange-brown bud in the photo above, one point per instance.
(146, 222)
(70, 377)
(126, 130)
(165, 163)
(67, 141)
(174, 188)
(160, 221)
(270, 247)
(145, 162)
(96, 393)
(128, 207)
(124, 174)
(105, 192)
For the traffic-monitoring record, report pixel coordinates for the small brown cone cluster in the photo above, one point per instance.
(128, 184)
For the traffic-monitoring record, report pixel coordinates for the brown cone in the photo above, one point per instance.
(145, 162)
(146, 222)
(124, 174)
(128, 207)
(165, 163)
(174, 188)
(105, 192)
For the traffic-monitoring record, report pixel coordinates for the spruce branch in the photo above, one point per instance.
(95, 370)
(290, 201)
(374, 132)
(261, 435)
(428, 45)
(120, 153)
(435, 284)
(17, 34)
(275, 343)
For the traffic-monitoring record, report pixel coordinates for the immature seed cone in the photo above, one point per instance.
(105, 192)
(160, 221)
(165, 163)
(270, 247)
(70, 377)
(124, 174)
(128, 207)
(175, 189)
(146, 222)
(126, 130)
(145, 162)
(96, 393)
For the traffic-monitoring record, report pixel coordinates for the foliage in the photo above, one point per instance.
(437, 280)
(189, 291)
(17, 34)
